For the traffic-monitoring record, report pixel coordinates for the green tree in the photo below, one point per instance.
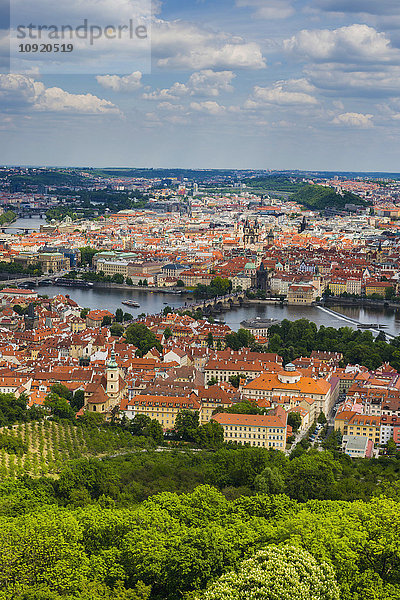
(144, 339)
(154, 430)
(167, 333)
(270, 481)
(87, 254)
(106, 322)
(390, 293)
(210, 435)
(116, 329)
(210, 340)
(311, 476)
(235, 380)
(138, 424)
(118, 278)
(61, 390)
(186, 425)
(119, 315)
(285, 573)
(84, 312)
(129, 281)
(391, 447)
(59, 407)
(91, 419)
(78, 400)
(242, 339)
(294, 420)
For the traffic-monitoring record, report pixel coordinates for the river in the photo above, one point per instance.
(32, 224)
(151, 303)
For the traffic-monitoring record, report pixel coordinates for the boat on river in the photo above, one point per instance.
(131, 303)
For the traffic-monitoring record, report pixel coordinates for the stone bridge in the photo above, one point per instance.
(218, 304)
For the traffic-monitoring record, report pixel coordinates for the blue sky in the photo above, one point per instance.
(279, 84)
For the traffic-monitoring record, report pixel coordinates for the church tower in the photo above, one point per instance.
(31, 320)
(270, 238)
(113, 379)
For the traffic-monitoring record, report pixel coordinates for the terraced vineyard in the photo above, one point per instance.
(40, 448)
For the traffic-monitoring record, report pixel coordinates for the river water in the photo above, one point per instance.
(32, 224)
(151, 303)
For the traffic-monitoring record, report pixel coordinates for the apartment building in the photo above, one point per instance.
(162, 408)
(268, 431)
(289, 382)
(352, 423)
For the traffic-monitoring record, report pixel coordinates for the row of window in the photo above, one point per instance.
(254, 436)
(242, 428)
(163, 404)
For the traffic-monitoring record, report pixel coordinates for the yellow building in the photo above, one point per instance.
(303, 293)
(352, 423)
(212, 399)
(112, 267)
(50, 262)
(77, 324)
(268, 430)
(162, 408)
(377, 287)
(338, 287)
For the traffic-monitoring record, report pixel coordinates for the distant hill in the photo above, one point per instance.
(317, 197)
(272, 183)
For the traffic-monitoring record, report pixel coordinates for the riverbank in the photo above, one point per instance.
(138, 288)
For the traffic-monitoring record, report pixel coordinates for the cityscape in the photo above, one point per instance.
(200, 300)
(200, 310)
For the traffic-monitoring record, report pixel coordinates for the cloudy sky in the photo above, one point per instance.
(275, 84)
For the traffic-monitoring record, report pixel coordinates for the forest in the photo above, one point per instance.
(292, 339)
(317, 197)
(236, 523)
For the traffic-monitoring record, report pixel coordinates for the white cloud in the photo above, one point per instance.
(208, 106)
(210, 83)
(201, 83)
(22, 91)
(352, 119)
(183, 45)
(351, 44)
(279, 94)
(173, 93)
(268, 9)
(127, 83)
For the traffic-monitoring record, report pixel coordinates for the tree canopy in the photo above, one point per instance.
(141, 336)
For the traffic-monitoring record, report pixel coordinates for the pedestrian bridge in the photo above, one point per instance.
(218, 304)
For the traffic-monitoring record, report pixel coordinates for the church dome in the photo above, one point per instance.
(289, 374)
